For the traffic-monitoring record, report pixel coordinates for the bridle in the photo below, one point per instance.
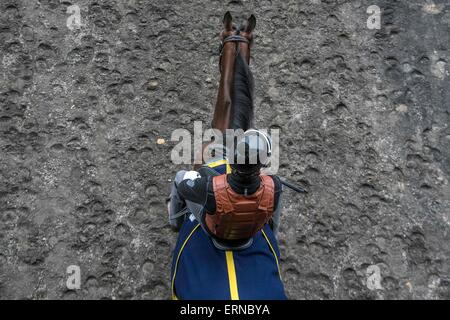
(236, 38)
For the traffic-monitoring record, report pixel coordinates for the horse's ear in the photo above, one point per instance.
(251, 24)
(228, 21)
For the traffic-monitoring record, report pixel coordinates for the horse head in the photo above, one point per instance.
(241, 35)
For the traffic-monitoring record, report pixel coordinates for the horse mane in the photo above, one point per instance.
(242, 97)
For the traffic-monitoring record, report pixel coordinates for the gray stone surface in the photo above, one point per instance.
(364, 118)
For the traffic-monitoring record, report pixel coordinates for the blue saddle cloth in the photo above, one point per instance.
(200, 271)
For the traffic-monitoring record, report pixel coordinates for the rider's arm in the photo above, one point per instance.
(194, 187)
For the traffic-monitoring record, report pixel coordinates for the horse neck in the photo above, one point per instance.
(222, 112)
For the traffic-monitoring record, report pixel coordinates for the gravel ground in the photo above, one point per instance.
(363, 115)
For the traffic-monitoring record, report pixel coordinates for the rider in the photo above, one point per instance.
(231, 205)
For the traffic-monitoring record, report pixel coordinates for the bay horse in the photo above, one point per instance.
(200, 270)
(234, 104)
(236, 82)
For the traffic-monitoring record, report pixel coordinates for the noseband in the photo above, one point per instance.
(237, 38)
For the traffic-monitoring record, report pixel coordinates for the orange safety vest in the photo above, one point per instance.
(237, 216)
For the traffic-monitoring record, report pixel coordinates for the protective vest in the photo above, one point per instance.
(238, 216)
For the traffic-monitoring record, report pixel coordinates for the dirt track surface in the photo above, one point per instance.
(364, 119)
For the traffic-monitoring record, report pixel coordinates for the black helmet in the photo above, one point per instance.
(252, 151)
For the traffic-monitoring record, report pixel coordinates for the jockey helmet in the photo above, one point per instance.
(252, 151)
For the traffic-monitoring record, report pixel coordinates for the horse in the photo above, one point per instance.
(200, 270)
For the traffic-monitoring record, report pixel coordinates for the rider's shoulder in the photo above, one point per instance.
(191, 175)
